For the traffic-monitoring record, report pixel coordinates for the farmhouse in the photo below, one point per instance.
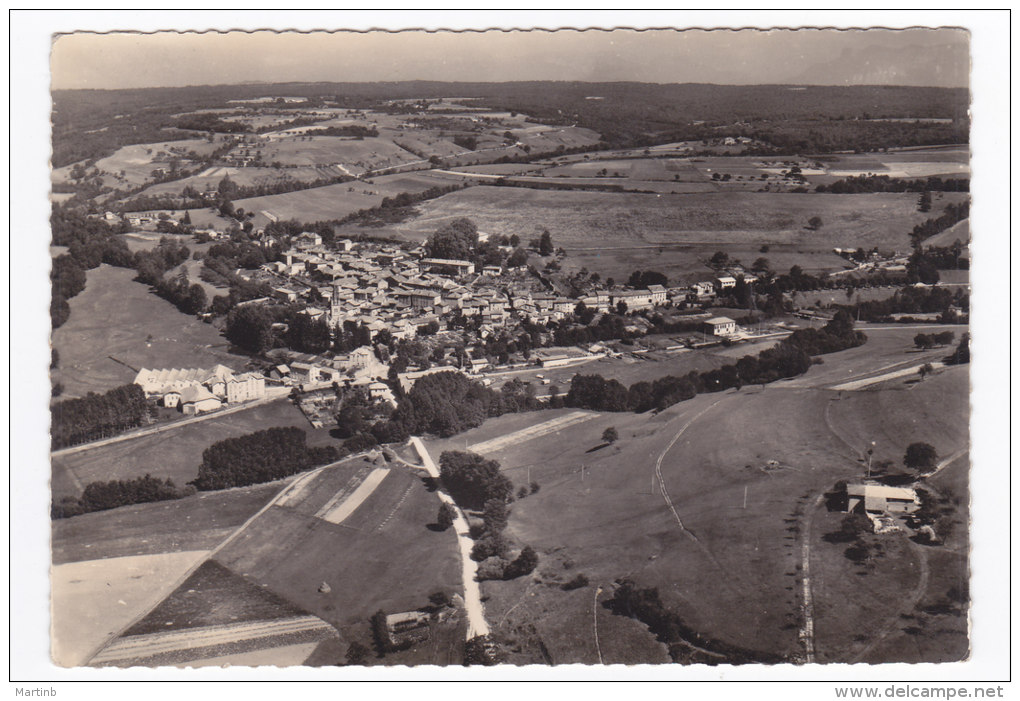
(725, 282)
(878, 498)
(720, 326)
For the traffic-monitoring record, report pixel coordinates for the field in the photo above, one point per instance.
(133, 165)
(212, 595)
(337, 201)
(382, 556)
(628, 369)
(909, 588)
(93, 599)
(114, 316)
(175, 454)
(355, 155)
(730, 571)
(210, 178)
(614, 233)
(198, 522)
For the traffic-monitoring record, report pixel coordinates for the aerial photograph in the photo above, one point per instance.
(510, 348)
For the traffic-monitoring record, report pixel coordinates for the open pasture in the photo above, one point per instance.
(133, 165)
(176, 453)
(599, 229)
(356, 155)
(199, 522)
(423, 142)
(209, 179)
(116, 316)
(386, 558)
(732, 569)
(93, 600)
(337, 201)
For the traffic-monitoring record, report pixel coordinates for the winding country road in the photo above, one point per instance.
(472, 592)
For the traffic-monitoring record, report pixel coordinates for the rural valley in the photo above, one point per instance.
(521, 373)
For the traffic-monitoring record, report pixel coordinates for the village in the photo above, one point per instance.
(402, 294)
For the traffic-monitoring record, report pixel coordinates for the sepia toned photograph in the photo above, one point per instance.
(604, 347)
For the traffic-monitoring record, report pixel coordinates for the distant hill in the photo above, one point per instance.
(628, 113)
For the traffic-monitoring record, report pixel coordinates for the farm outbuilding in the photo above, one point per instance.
(197, 399)
(878, 498)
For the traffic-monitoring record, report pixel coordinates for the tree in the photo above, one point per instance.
(610, 435)
(515, 240)
(962, 353)
(545, 244)
(815, 223)
(197, 300)
(518, 258)
(719, 260)
(923, 341)
(187, 218)
(924, 202)
(445, 517)
(920, 457)
(925, 370)
(250, 328)
(495, 515)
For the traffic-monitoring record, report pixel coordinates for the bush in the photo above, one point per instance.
(581, 580)
(476, 652)
(525, 563)
(493, 568)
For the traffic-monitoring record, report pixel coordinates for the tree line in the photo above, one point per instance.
(447, 403)
(953, 214)
(262, 456)
(911, 300)
(883, 183)
(99, 496)
(477, 483)
(97, 416)
(789, 358)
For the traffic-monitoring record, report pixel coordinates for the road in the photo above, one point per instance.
(162, 428)
(472, 592)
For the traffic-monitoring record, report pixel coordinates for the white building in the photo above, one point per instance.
(720, 326)
(244, 388)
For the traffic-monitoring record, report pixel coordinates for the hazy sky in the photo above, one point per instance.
(909, 57)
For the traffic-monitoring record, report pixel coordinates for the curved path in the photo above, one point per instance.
(658, 468)
(472, 592)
